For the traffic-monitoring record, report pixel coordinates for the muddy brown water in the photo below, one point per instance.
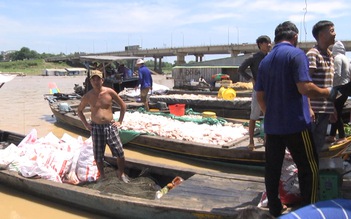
(22, 108)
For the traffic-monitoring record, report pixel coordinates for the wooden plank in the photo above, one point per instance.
(337, 150)
(347, 150)
(240, 140)
(216, 192)
(236, 142)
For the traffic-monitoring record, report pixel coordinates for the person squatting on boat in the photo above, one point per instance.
(145, 81)
(103, 128)
(283, 86)
(264, 45)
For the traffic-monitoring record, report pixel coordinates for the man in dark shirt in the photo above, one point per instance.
(264, 45)
(124, 71)
(283, 87)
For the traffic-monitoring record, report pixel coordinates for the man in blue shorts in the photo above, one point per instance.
(103, 128)
(283, 85)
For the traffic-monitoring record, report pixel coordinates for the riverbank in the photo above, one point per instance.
(36, 67)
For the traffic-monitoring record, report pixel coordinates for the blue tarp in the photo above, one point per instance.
(335, 208)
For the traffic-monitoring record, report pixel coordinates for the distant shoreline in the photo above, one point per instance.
(159, 79)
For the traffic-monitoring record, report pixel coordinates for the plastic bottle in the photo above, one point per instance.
(161, 192)
(175, 182)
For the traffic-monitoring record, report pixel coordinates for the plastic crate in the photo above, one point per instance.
(329, 184)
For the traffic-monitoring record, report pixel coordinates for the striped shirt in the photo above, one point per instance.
(322, 77)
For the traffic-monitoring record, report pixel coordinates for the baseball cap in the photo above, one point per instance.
(95, 72)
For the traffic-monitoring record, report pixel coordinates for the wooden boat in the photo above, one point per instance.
(232, 152)
(6, 78)
(207, 100)
(200, 101)
(200, 195)
(239, 108)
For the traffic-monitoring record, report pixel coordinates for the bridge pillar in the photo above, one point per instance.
(158, 66)
(197, 57)
(180, 58)
(234, 53)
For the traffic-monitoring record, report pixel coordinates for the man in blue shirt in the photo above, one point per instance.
(145, 82)
(283, 86)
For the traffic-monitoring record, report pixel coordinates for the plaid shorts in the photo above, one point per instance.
(103, 134)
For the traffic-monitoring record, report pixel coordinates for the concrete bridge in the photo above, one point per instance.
(197, 51)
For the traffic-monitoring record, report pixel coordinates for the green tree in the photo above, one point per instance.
(24, 54)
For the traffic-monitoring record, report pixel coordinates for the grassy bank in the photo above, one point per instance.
(36, 67)
(29, 67)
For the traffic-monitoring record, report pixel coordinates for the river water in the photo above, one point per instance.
(22, 108)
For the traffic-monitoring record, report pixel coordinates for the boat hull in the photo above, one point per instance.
(200, 195)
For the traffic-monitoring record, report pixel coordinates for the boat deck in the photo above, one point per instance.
(213, 191)
(216, 193)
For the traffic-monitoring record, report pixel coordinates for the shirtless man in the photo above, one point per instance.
(103, 128)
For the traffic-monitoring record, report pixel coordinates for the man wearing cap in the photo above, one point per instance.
(145, 81)
(103, 128)
(264, 45)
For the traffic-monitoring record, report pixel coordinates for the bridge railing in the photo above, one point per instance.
(193, 50)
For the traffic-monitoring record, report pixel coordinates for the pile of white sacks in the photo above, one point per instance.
(68, 160)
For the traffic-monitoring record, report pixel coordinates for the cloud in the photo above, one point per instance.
(156, 23)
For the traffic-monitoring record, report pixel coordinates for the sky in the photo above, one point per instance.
(91, 26)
